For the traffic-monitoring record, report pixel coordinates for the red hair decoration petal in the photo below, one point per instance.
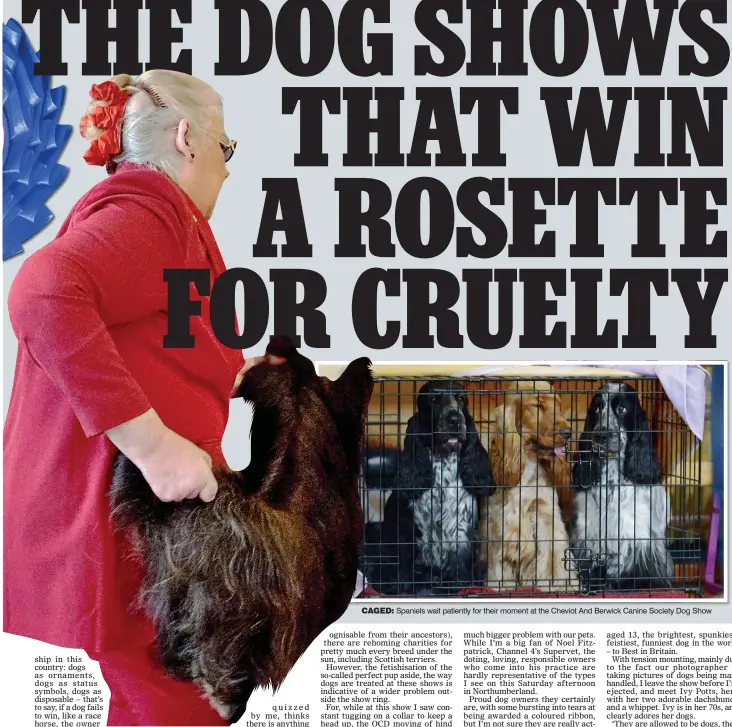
(110, 92)
(107, 118)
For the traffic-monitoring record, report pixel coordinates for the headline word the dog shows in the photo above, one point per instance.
(345, 36)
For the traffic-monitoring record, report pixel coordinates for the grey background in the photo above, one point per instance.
(268, 140)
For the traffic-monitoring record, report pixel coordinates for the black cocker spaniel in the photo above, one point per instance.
(428, 537)
(621, 509)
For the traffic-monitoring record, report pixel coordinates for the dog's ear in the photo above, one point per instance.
(473, 436)
(474, 464)
(414, 472)
(560, 472)
(283, 347)
(266, 385)
(414, 438)
(348, 398)
(558, 468)
(423, 412)
(506, 445)
(350, 393)
(267, 381)
(279, 347)
(641, 465)
(582, 469)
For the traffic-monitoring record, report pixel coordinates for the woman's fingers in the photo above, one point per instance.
(209, 491)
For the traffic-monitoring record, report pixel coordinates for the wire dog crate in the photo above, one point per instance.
(561, 512)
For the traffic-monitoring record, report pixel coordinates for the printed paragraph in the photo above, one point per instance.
(529, 679)
(66, 694)
(668, 678)
(387, 679)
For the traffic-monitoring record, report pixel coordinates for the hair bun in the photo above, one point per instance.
(103, 123)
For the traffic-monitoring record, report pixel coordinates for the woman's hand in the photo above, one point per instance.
(175, 468)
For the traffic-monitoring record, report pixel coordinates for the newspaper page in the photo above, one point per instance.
(365, 363)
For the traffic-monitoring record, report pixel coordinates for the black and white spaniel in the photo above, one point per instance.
(621, 508)
(428, 537)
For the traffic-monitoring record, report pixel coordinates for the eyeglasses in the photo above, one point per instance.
(228, 149)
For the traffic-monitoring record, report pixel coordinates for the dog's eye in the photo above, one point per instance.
(621, 409)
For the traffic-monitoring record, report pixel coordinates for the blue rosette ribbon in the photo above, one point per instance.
(33, 142)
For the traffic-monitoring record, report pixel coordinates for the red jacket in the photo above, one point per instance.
(89, 311)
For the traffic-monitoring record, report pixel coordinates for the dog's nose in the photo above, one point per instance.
(566, 433)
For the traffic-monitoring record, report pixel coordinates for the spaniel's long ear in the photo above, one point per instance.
(561, 474)
(475, 465)
(415, 461)
(506, 446)
(582, 469)
(560, 469)
(641, 465)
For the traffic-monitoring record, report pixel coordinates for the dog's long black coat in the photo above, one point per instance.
(239, 587)
(403, 558)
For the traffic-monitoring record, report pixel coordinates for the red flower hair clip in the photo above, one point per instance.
(102, 125)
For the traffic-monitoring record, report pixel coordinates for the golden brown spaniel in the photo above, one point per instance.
(527, 537)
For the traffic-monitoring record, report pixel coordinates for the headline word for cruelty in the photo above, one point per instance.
(462, 125)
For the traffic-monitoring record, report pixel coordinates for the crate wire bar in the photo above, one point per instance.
(394, 402)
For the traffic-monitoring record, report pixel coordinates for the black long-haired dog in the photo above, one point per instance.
(621, 509)
(427, 539)
(239, 587)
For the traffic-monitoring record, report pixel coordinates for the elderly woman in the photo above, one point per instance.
(90, 311)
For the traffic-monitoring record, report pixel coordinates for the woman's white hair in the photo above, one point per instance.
(159, 101)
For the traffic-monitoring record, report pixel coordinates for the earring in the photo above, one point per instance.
(193, 156)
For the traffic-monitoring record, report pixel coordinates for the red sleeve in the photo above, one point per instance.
(106, 269)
